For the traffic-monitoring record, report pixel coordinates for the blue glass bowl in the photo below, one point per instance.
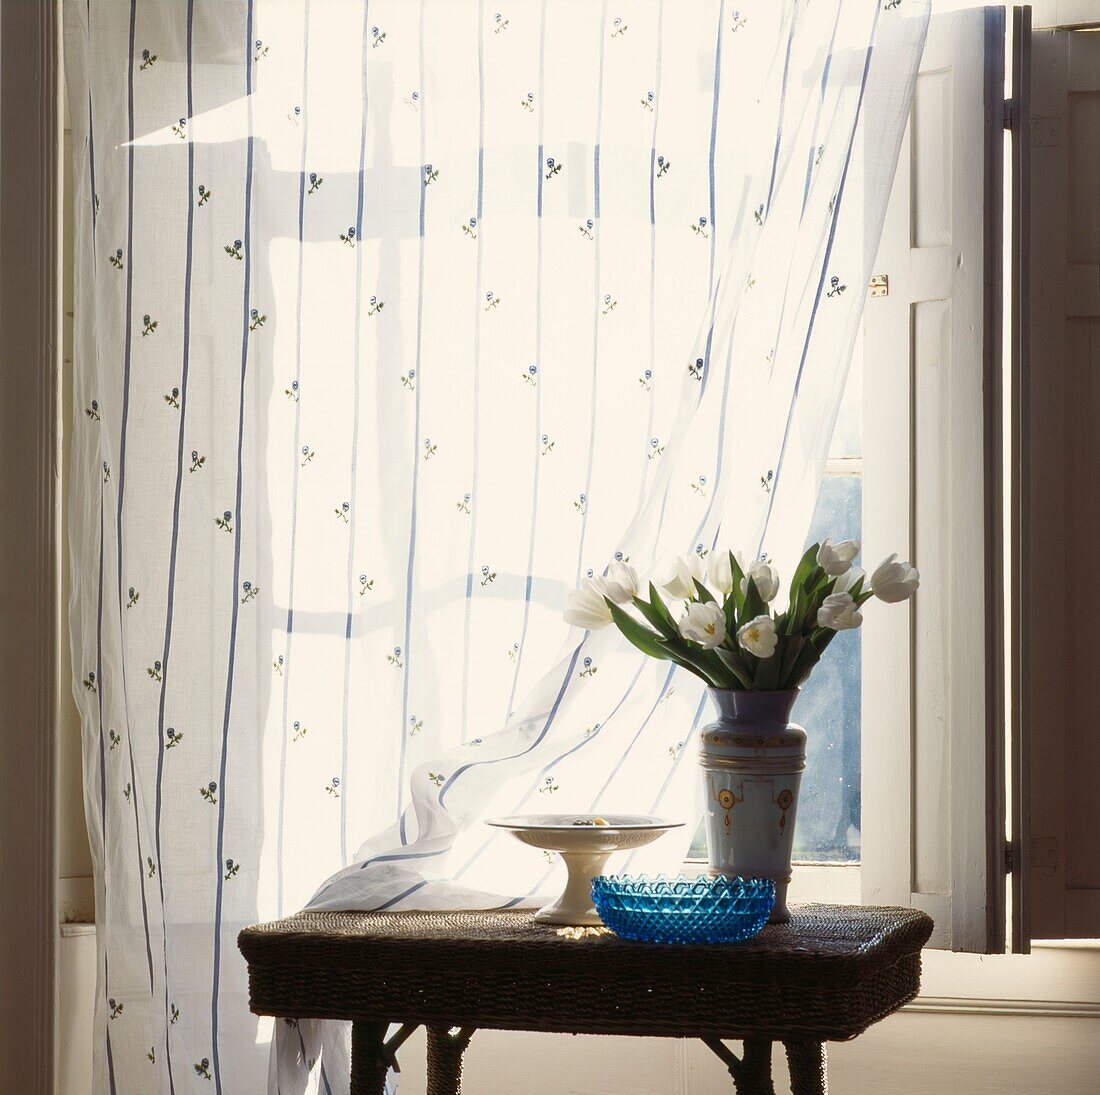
(682, 909)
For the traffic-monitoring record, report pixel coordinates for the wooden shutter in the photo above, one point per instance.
(933, 725)
(1059, 733)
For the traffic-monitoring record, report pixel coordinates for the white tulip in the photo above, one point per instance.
(679, 574)
(765, 577)
(840, 612)
(620, 584)
(586, 607)
(758, 636)
(835, 559)
(848, 579)
(720, 572)
(704, 623)
(893, 581)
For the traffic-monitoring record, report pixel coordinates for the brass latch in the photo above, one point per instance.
(880, 285)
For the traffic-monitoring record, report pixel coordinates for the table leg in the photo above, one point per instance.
(445, 1059)
(806, 1061)
(752, 1071)
(369, 1060)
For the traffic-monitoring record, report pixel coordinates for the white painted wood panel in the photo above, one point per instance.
(931, 820)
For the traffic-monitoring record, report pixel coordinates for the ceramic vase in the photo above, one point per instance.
(752, 759)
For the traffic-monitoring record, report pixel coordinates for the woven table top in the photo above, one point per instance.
(828, 974)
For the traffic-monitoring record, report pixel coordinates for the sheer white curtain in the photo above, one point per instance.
(393, 320)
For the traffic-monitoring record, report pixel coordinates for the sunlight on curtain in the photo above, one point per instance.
(392, 322)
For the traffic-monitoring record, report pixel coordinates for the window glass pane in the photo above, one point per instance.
(828, 823)
(848, 432)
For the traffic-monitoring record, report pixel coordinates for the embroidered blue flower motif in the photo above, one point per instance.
(277, 665)
(470, 228)
(408, 380)
(429, 448)
(548, 786)
(590, 669)
(586, 229)
(817, 156)
(647, 101)
(528, 102)
(531, 376)
(202, 1068)
(437, 778)
(225, 522)
(609, 304)
(294, 115)
(89, 682)
(513, 652)
(491, 301)
(619, 28)
(147, 59)
(292, 391)
(342, 511)
(260, 51)
(553, 167)
(151, 865)
(547, 444)
(674, 751)
(197, 460)
(580, 503)
(700, 228)
(115, 739)
(174, 737)
(589, 731)
(249, 592)
(655, 448)
(116, 1008)
(619, 557)
(699, 486)
(365, 585)
(307, 455)
(501, 23)
(204, 194)
(376, 305)
(333, 787)
(488, 575)
(348, 237)
(175, 1014)
(430, 174)
(92, 410)
(835, 287)
(662, 166)
(106, 472)
(116, 259)
(257, 320)
(646, 380)
(180, 129)
(464, 505)
(766, 481)
(233, 250)
(394, 658)
(300, 731)
(132, 597)
(172, 398)
(739, 21)
(379, 37)
(413, 100)
(126, 791)
(210, 793)
(758, 214)
(149, 326)
(153, 671)
(315, 181)
(231, 868)
(415, 725)
(696, 368)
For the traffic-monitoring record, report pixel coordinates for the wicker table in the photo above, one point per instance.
(827, 976)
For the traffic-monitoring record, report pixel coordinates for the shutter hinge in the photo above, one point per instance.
(1009, 113)
(1009, 858)
(880, 285)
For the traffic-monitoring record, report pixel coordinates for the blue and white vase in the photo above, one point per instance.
(752, 760)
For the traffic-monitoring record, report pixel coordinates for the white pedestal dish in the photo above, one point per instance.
(585, 846)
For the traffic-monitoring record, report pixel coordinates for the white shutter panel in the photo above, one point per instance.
(933, 811)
